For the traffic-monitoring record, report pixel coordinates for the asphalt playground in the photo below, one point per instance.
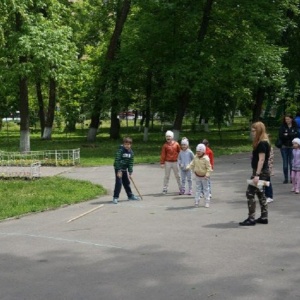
(159, 248)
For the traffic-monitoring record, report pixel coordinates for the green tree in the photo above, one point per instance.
(37, 51)
(106, 68)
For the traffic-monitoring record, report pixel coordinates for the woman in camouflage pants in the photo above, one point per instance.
(260, 171)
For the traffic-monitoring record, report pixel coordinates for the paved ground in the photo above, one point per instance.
(158, 248)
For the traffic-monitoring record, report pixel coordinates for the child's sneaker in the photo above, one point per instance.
(190, 192)
(115, 200)
(207, 205)
(133, 197)
(181, 192)
(164, 191)
(269, 200)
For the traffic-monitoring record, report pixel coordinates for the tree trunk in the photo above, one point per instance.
(24, 104)
(135, 118)
(146, 134)
(95, 121)
(184, 98)
(51, 110)
(110, 57)
(92, 133)
(183, 102)
(41, 106)
(257, 107)
(205, 20)
(148, 104)
(142, 120)
(47, 133)
(24, 115)
(114, 130)
(115, 126)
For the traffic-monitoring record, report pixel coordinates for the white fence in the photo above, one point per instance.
(27, 171)
(27, 165)
(47, 157)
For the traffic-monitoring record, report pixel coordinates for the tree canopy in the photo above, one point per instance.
(172, 58)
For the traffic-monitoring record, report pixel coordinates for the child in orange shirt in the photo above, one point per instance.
(168, 160)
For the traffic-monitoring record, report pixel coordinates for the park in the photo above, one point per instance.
(79, 76)
(161, 247)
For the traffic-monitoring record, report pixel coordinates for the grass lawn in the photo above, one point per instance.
(19, 197)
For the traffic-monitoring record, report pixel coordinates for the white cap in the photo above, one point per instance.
(296, 141)
(201, 147)
(170, 133)
(185, 142)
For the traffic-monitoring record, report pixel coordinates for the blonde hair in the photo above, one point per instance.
(261, 133)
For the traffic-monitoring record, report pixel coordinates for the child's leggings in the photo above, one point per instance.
(186, 175)
(296, 180)
(201, 185)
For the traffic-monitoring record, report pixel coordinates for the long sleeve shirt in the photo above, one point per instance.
(210, 154)
(185, 157)
(169, 152)
(201, 166)
(124, 159)
(296, 160)
(287, 134)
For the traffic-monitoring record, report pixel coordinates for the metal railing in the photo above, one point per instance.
(27, 171)
(27, 165)
(46, 158)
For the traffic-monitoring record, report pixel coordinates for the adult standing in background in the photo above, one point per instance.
(287, 132)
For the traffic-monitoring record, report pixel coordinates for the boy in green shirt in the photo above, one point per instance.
(124, 162)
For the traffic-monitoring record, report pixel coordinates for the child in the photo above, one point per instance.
(296, 166)
(210, 154)
(123, 162)
(269, 189)
(184, 158)
(202, 168)
(168, 159)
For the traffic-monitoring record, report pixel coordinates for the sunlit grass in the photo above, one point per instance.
(230, 140)
(19, 197)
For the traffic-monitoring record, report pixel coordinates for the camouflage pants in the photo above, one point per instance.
(260, 193)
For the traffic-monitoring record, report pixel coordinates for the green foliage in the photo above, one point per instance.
(37, 33)
(249, 45)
